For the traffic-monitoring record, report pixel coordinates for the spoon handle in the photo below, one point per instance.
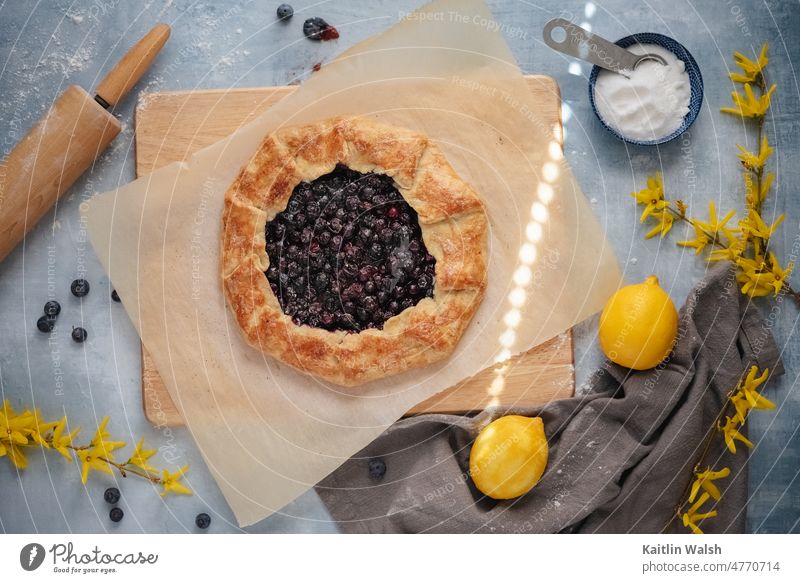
(584, 45)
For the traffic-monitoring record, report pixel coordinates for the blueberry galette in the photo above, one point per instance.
(351, 250)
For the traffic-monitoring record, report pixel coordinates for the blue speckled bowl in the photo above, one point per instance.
(695, 81)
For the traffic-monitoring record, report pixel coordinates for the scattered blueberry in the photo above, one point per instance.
(312, 28)
(340, 266)
(79, 334)
(116, 514)
(45, 324)
(114, 295)
(285, 12)
(52, 309)
(79, 288)
(111, 495)
(317, 29)
(203, 520)
(377, 469)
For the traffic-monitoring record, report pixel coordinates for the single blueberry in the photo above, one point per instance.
(115, 295)
(285, 12)
(377, 469)
(203, 520)
(79, 288)
(111, 495)
(45, 324)
(116, 514)
(315, 28)
(52, 309)
(79, 334)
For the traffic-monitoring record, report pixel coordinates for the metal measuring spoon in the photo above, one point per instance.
(581, 43)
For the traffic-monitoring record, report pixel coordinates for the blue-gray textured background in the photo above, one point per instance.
(46, 45)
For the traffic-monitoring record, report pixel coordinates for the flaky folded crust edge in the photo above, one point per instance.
(453, 224)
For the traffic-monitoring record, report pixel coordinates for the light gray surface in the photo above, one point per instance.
(45, 46)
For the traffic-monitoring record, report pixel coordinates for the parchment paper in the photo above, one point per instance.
(267, 432)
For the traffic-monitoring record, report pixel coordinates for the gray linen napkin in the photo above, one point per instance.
(621, 454)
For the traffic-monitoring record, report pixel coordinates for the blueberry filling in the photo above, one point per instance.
(347, 253)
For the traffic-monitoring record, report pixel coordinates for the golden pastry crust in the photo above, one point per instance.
(454, 229)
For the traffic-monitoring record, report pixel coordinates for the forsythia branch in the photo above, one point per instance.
(759, 272)
(747, 244)
(25, 430)
(741, 400)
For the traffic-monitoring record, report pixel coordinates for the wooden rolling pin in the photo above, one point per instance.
(65, 142)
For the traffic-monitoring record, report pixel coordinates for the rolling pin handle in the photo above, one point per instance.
(121, 79)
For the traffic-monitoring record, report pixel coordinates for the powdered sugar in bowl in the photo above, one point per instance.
(655, 103)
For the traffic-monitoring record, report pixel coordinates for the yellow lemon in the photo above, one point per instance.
(639, 325)
(509, 456)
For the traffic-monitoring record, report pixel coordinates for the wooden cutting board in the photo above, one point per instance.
(171, 126)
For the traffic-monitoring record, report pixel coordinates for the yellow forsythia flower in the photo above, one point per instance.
(749, 389)
(730, 432)
(692, 516)
(100, 434)
(171, 482)
(100, 438)
(732, 252)
(779, 274)
(700, 240)
(715, 225)
(91, 460)
(140, 456)
(748, 105)
(712, 227)
(755, 162)
(754, 283)
(705, 480)
(758, 279)
(743, 401)
(754, 226)
(665, 220)
(741, 406)
(750, 70)
(652, 197)
(14, 432)
(99, 453)
(755, 192)
(14, 428)
(61, 442)
(40, 428)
